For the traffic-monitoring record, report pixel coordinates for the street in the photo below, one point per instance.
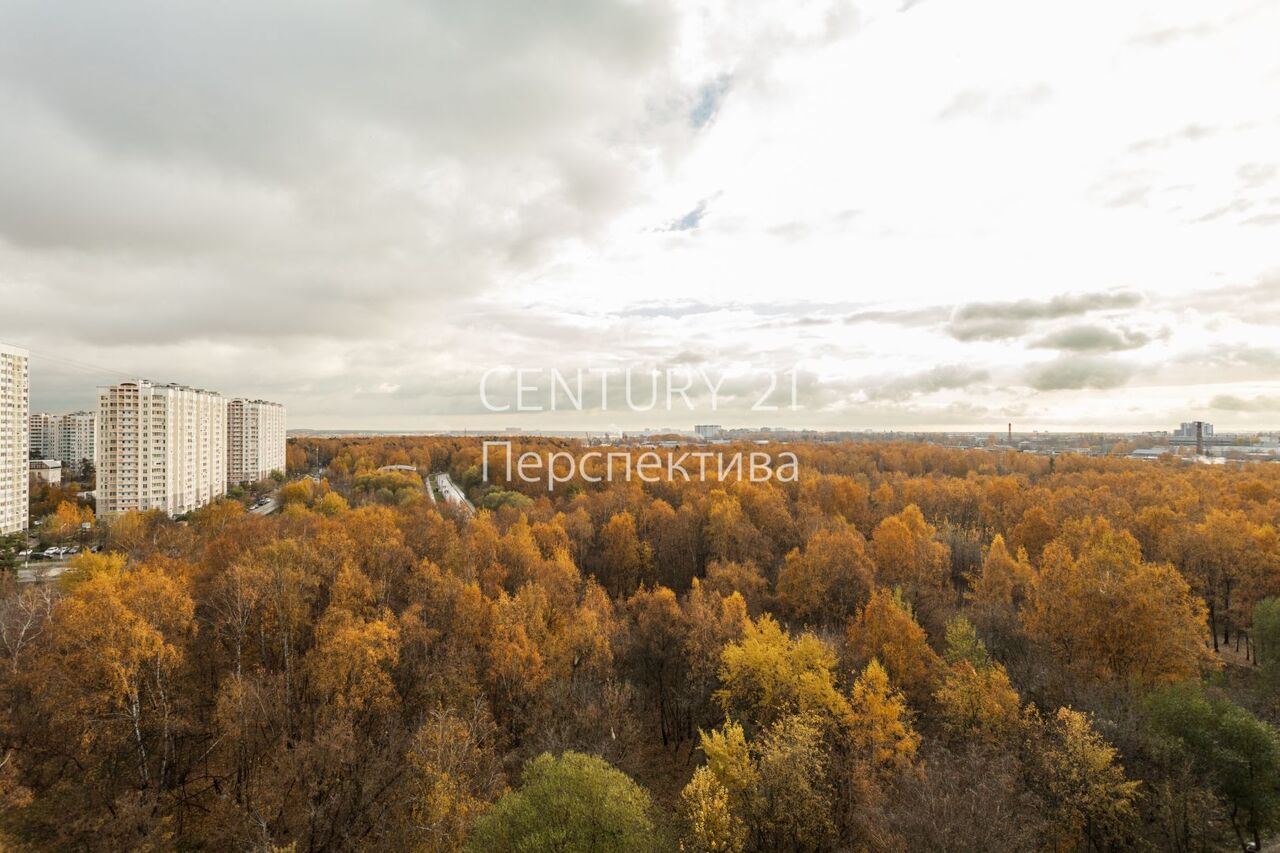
(453, 495)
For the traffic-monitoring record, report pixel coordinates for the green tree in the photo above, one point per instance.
(575, 802)
(1266, 636)
(9, 547)
(1237, 754)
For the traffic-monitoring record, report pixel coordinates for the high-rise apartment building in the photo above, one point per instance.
(255, 440)
(43, 436)
(160, 447)
(67, 438)
(15, 440)
(75, 439)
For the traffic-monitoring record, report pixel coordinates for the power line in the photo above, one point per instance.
(99, 369)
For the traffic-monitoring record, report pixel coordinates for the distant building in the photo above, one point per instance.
(44, 442)
(48, 471)
(160, 447)
(708, 430)
(15, 438)
(67, 438)
(1186, 436)
(255, 440)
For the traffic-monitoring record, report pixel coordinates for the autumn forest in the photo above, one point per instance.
(907, 648)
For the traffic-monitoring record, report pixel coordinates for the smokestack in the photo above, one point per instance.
(1199, 438)
(1010, 434)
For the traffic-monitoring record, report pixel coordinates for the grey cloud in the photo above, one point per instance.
(1187, 133)
(1092, 338)
(1129, 198)
(974, 103)
(1256, 174)
(1239, 356)
(939, 378)
(905, 317)
(1239, 205)
(1232, 403)
(1077, 373)
(1168, 35)
(1001, 320)
(245, 170)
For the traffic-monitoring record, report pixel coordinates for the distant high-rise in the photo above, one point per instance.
(67, 438)
(160, 447)
(15, 438)
(255, 440)
(44, 442)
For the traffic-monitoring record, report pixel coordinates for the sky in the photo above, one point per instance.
(918, 214)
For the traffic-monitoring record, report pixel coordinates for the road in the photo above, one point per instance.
(453, 495)
(41, 570)
(267, 508)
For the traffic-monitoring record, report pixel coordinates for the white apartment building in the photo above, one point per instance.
(15, 441)
(159, 447)
(44, 442)
(75, 437)
(67, 438)
(255, 440)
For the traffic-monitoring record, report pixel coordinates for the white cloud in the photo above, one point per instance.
(358, 210)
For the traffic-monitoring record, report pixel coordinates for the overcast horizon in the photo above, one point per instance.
(941, 215)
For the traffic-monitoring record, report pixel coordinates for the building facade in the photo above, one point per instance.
(15, 438)
(67, 438)
(255, 440)
(48, 471)
(159, 447)
(75, 436)
(43, 433)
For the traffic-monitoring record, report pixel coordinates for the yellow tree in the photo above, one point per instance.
(1086, 796)
(975, 697)
(1110, 617)
(454, 771)
(769, 674)
(829, 580)
(908, 555)
(881, 731)
(710, 826)
(117, 643)
(625, 560)
(65, 521)
(356, 649)
(886, 630)
(997, 592)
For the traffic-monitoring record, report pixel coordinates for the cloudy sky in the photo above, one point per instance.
(937, 213)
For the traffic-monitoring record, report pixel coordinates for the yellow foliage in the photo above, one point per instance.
(881, 729)
(710, 825)
(769, 674)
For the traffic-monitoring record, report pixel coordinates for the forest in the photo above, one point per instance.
(907, 648)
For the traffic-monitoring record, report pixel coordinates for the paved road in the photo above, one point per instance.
(41, 570)
(452, 494)
(267, 508)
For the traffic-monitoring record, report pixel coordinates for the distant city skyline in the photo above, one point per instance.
(939, 223)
